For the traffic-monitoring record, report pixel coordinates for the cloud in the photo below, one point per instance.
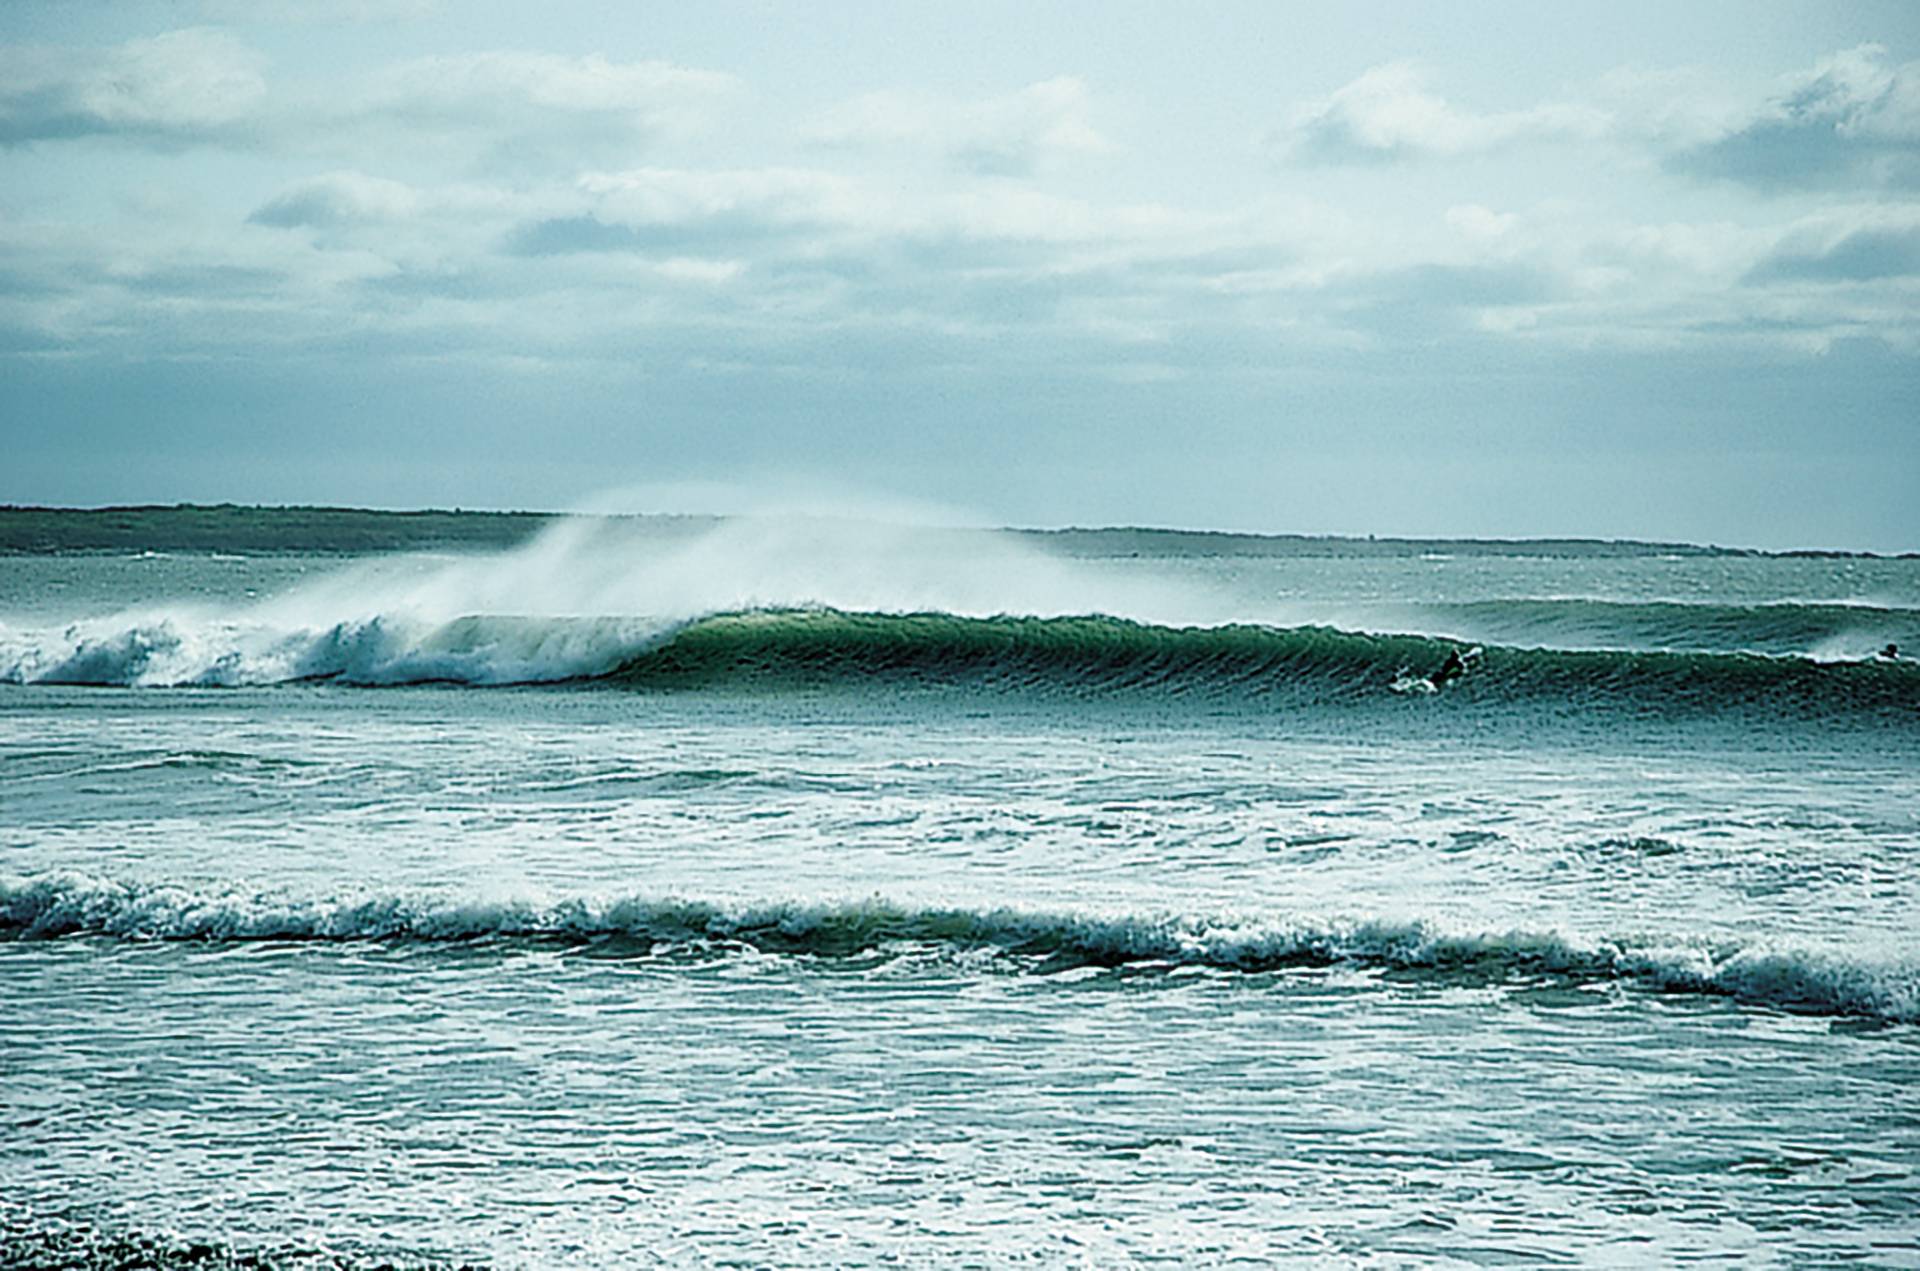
(539, 109)
(1009, 135)
(505, 85)
(1480, 224)
(1821, 254)
(868, 246)
(335, 199)
(1852, 121)
(819, 272)
(181, 87)
(513, 110)
(687, 211)
(673, 195)
(1462, 286)
(1389, 114)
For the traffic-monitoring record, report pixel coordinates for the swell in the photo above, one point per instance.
(1775, 627)
(1091, 655)
(1073, 656)
(1801, 980)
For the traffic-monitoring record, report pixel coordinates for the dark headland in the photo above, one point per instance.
(227, 527)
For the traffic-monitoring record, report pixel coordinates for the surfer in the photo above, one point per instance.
(1456, 665)
(1891, 653)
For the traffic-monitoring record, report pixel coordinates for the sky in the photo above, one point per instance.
(1612, 270)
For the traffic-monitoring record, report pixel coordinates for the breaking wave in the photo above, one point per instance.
(1096, 654)
(833, 604)
(172, 652)
(1801, 980)
(827, 648)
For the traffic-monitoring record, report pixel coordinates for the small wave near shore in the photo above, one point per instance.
(1779, 976)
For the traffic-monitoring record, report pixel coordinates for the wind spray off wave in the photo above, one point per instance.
(925, 873)
(839, 605)
(577, 602)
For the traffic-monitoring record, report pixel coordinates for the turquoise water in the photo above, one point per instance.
(803, 895)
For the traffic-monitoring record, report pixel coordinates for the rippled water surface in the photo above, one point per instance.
(961, 944)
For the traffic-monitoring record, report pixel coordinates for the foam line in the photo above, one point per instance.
(1787, 978)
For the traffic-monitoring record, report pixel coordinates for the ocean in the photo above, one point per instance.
(796, 891)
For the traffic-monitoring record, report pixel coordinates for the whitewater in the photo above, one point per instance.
(813, 891)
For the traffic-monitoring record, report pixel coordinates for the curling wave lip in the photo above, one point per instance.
(1078, 656)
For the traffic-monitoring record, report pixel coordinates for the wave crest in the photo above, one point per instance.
(1792, 979)
(824, 648)
(174, 652)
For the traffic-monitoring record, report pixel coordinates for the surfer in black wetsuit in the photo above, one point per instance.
(1891, 653)
(1456, 665)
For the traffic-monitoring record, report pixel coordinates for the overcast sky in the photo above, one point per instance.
(1618, 269)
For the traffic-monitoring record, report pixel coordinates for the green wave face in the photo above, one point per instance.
(1097, 655)
(1062, 657)
(1083, 654)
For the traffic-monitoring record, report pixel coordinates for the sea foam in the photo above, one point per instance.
(853, 604)
(1781, 976)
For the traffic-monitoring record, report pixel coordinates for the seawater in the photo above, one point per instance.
(812, 893)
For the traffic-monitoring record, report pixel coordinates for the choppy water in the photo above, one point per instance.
(807, 894)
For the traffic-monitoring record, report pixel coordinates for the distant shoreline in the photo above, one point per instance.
(296, 530)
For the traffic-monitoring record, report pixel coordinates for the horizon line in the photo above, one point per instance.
(1709, 548)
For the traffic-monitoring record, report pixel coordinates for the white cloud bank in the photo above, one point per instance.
(1008, 135)
(1851, 120)
(508, 201)
(536, 110)
(1390, 113)
(181, 87)
(507, 110)
(335, 199)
